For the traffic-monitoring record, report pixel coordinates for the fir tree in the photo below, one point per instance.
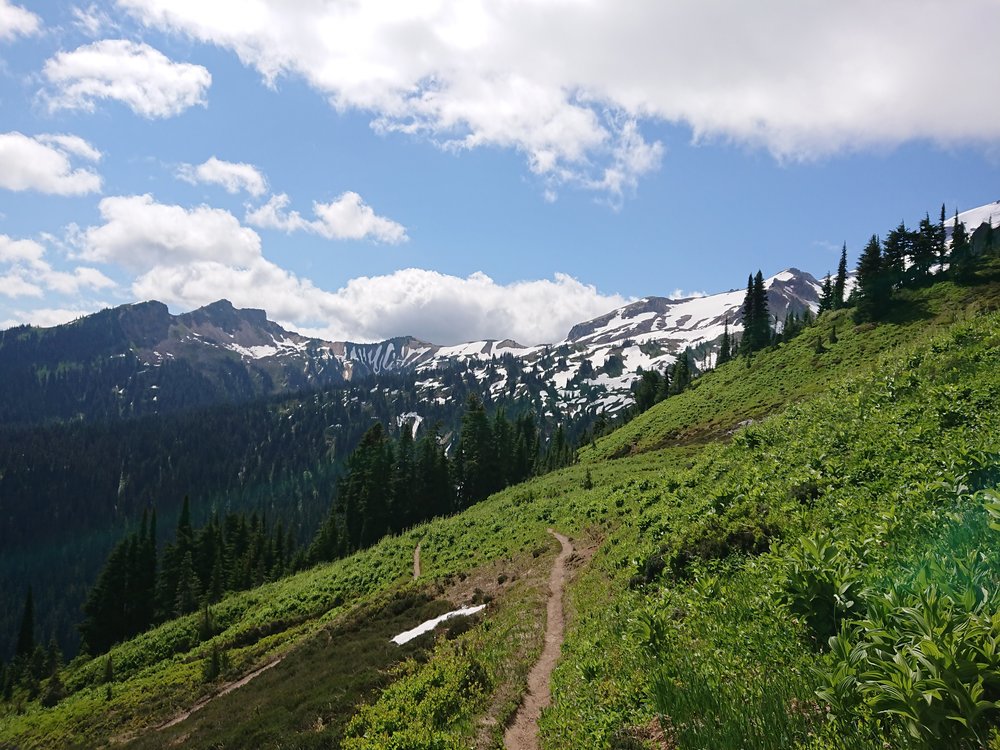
(941, 241)
(681, 373)
(26, 633)
(962, 266)
(897, 252)
(840, 285)
(924, 250)
(826, 294)
(725, 347)
(873, 291)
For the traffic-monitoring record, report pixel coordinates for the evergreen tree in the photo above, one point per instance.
(681, 376)
(474, 455)
(840, 285)
(756, 318)
(873, 291)
(725, 347)
(961, 267)
(186, 598)
(26, 633)
(826, 294)
(748, 312)
(898, 250)
(924, 251)
(941, 240)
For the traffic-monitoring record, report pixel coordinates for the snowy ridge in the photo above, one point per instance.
(976, 216)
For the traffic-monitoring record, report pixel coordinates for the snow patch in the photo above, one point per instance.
(429, 625)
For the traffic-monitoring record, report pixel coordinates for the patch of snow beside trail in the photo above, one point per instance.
(429, 625)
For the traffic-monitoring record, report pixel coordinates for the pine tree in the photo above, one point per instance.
(840, 285)
(962, 267)
(826, 294)
(941, 241)
(725, 348)
(186, 598)
(756, 318)
(762, 318)
(898, 250)
(26, 634)
(924, 250)
(873, 291)
(681, 373)
(748, 317)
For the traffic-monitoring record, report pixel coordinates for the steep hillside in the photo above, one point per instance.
(689, 627)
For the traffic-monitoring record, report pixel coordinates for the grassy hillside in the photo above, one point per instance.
(858, 509)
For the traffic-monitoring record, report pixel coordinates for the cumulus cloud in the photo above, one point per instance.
(569, 83)
(138, 233)
(29, 274)
(46, 317)
(347, 217)
(44, 163)
(17, 21)
(191, 257)
(232, 176)
(139, 76)
(448, 309)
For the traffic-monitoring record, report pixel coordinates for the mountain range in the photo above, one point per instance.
(139, 359)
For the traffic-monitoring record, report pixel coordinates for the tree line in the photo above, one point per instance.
(390, 485)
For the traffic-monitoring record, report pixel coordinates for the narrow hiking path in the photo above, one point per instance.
(416, 561)
(224, 690)
(522, 734)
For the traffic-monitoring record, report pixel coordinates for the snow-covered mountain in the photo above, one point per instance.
(594, 367)
(139, 358)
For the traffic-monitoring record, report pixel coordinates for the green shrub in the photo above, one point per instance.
(823, 585)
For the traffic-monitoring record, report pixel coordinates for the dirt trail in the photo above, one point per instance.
(522, 734)
(224, 690)
(416, 561)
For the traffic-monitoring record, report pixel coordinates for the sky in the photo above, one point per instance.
(466, 169)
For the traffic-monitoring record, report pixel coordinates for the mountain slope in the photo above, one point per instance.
(702, 538)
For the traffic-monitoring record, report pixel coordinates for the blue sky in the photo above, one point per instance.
(459, 169)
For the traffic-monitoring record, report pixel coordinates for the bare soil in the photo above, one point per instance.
(416, 562)
(522, 734)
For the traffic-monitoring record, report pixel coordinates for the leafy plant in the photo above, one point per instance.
(823, 585)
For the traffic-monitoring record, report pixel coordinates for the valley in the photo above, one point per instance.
(694, 516)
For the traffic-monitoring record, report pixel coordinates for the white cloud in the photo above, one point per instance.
(71, 144)
(29, 274)
(432, 306)
(22, 252)
(92, 20)
(46, 317)
(139, 76)
(43, 163)
(447, 309)
(139, 233)
(13, 284)
(569, 82)
(17, 21)
(191, 257)
(679, 293)
(347, 217)
(232, 176)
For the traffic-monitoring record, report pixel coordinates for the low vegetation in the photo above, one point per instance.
(822, 577)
